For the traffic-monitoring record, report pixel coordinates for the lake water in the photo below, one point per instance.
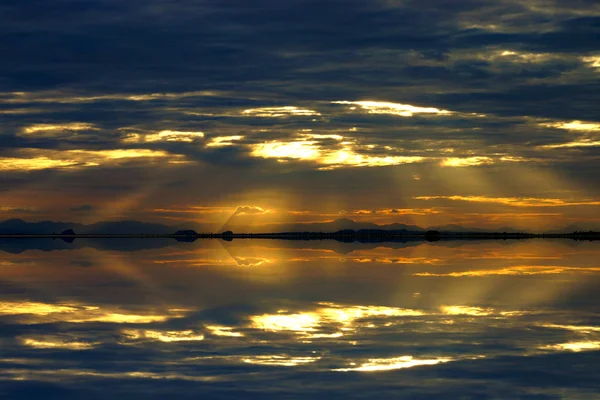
(268, 319)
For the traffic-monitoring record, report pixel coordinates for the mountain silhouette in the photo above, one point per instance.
(19, 226)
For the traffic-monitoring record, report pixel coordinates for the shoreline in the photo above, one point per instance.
(340, 236)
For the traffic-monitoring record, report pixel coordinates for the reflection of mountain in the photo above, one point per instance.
(17, 246)
(18, 226)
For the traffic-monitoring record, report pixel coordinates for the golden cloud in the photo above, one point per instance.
(308, 147)
(221, 141)
(35, 159)
(514, 201)
(466, 161)
(174, 136)
(53, 129)
(573, 125)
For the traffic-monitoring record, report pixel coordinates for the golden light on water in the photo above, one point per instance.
(573, 125)
(219, 330)
(174, 136)
(343, 318)
(574, 346)
(222, 141)
(35, 308)
(50, 129)
(35, 312)
(517, 270)
(388, 364)
(280, 360)
(162, 336)
(52, 342)
(403, 110)
(279, 112)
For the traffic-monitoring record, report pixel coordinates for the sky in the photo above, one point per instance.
(429, 112)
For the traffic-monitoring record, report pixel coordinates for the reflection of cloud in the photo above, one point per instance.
(279, 112)
(55, 342)
(346, 318)
(573, 125)
(574, 328)
(516, 270)
(78, 313)
(574, 346)
(577, 143)
(174, 136)
(403, 110)
(162, 336)
(222, 141)
(56, 129)
(279, 360)
(219, 330)
(388, 364)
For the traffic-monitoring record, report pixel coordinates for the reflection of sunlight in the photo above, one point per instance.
(174, 136)
(575, 328)
(279, 112)
(163, 336)
(307, 323)
(285, 361)
(78, 313)
(52, 342)
(387, 364)
(516, 270)
(573, 125)
(222, 141)
(218, 330)
(290, 322)
(16, 308)
(59, 375)
(403, 110)
(574, 346)
(466, 310)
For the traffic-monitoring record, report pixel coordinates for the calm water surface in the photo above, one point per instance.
(158, 319)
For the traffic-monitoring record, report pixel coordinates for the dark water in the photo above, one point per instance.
(278, 320)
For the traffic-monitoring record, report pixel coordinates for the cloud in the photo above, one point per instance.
(249, 210)
(515, 201)
(85, 208)
(19, 210)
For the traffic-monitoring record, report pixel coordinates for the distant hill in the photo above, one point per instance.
(18, 226)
